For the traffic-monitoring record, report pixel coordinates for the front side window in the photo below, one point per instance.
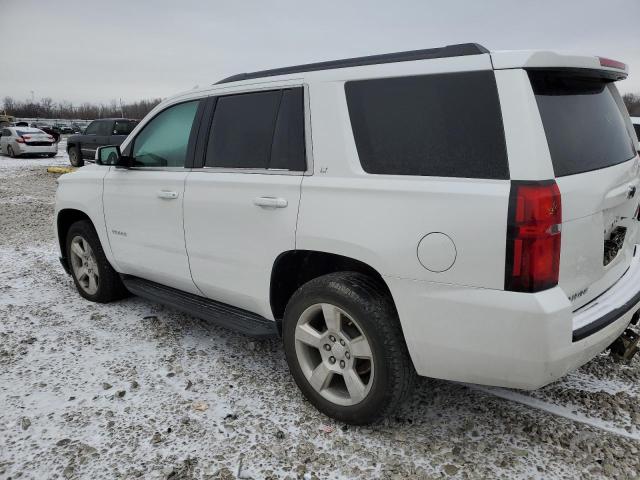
(637, 128)
(261, 130)
(164, 140)
(443, 125)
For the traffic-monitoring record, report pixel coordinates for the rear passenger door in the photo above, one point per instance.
(241, 206)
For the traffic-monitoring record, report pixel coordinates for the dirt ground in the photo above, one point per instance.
(136, 390)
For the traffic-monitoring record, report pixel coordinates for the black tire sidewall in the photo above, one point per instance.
(75, 152)
(361, 310)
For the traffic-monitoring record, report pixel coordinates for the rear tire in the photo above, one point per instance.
(75, 157)
(345, 348)
(95, 278)
(10, 152)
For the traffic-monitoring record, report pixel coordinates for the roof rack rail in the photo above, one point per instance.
(459, 50)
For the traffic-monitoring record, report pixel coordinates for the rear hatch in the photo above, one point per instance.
(597, 171)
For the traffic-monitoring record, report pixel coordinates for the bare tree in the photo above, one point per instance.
(47, 108)
(632, 101)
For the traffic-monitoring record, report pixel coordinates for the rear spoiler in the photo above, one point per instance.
(538, 60)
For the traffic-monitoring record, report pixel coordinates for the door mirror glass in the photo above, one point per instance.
(111, 156)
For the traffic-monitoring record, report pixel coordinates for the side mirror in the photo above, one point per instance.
(111, 156)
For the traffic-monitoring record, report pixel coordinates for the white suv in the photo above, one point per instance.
(456, 213)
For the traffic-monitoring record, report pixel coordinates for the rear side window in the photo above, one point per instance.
(258, 130)
(584, 126)
(123, 127)
(637, 128)
(444, 125)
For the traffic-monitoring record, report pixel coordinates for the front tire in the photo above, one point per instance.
(93, 275)
(345, 348)
(75, 157)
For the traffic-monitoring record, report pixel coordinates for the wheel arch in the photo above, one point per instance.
(65, 218)
(293, 268)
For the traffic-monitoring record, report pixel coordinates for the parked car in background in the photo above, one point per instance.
(16, 141)
(636, 124)
(106, 131)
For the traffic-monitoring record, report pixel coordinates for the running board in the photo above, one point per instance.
(221, 314)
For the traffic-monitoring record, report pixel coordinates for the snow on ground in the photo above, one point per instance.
(136, 390)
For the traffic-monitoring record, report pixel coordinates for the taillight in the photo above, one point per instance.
(533, 236)
(608, 62)
(20, 140)
(50, 137)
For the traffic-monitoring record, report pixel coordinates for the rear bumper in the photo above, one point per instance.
(22, 148)
(508, 339)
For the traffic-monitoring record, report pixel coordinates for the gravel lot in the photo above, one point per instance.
(136, 390)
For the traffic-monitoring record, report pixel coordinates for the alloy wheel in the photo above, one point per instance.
(334, 354)
(84, 264)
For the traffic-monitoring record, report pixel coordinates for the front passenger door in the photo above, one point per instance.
(95, 135)
(143, 205)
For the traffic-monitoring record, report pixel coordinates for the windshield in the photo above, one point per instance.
(584, 126)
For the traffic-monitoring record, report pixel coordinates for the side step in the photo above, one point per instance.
(219, 313)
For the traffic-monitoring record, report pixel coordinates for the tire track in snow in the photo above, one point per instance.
(555, 409)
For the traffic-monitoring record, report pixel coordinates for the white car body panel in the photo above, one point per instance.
(82, 191)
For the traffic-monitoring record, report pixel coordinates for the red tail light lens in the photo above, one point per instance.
(20, 140)
(533, 236)
(608, 62)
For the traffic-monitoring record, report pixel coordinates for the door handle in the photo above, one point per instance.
(270, 202)
(167, 194)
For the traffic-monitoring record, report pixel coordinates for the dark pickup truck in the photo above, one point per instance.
(106, 131)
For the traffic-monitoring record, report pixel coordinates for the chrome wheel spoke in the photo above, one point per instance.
(82, 273)
(77, 249)
(320, 377)
(360, 348)
(305, 333)
(332, 316)
(93, 282)
(356, 388)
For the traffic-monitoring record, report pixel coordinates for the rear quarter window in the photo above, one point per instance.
(584, 125)
(443, 125)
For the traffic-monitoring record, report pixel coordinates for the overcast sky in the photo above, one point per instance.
(98, 51)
